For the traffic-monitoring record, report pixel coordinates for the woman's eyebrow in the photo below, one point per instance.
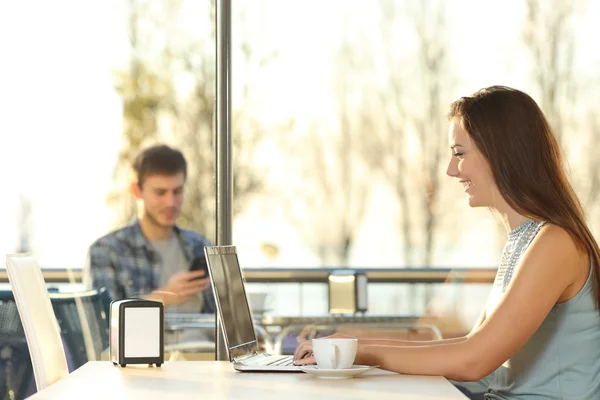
(456, 145)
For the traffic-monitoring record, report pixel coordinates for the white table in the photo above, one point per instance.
(218, 380)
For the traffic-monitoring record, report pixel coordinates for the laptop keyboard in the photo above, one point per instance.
(283, 362)
(274, 361)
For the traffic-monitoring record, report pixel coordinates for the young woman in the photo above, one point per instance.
(539, 334)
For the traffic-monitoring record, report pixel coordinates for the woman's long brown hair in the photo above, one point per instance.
(512, 132)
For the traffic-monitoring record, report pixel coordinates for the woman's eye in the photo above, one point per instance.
(458, 154)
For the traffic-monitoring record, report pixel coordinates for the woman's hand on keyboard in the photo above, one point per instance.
(304, 354)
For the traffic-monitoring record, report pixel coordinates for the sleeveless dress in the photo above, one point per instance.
(562, 358)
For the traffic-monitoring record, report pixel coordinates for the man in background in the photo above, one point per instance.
(151, 257)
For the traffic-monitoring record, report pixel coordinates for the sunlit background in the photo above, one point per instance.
(340, 134)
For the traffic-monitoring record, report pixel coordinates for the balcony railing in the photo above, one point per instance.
(319, 275)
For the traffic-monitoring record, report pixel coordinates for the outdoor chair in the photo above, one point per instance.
(38, 319)
(16, 371)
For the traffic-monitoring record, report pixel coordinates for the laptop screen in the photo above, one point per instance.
(229, 291)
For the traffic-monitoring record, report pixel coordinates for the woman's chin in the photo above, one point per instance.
(473, 201)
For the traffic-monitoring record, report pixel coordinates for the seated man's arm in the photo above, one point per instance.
(100, 272)
(208, 296)
(181, 288)
(208, 303)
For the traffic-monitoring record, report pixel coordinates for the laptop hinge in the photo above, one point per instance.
(245, 356)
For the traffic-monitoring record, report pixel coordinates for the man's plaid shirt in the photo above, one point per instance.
(127, 265)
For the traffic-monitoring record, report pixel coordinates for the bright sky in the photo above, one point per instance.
(60, 125)
(60, 118)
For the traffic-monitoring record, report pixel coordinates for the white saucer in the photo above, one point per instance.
(336, 373)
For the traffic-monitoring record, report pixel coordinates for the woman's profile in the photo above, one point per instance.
(538, 336)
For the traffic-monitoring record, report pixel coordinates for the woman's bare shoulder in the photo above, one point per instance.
(554, 243)
(554, 235)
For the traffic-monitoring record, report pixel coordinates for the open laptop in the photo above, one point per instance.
(234, 314)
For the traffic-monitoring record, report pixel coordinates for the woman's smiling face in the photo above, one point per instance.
(470, 167)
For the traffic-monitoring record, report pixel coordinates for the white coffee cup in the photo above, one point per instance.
(335, 353)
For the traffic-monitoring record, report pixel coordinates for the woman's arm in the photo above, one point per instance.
(479, 322)
(303, 354)
(397, 342)
(404, 343)
(550, 266)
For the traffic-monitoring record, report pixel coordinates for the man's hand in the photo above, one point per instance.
(181, 288)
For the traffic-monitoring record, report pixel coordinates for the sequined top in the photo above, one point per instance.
(518, 241)
(562, 358)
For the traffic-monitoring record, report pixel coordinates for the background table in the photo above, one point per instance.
(218, 380)
(279, 334)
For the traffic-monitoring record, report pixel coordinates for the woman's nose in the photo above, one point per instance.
(452, 169)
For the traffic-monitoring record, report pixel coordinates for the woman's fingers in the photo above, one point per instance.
(310, 359)
(303, 350)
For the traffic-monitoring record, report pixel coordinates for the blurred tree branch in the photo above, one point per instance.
(386, 148)
(411, 111)
(168, 94)
(328, 202)
(25, 224)
(430, 26)
(548, 34)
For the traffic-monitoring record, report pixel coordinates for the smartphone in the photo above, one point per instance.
(199, 264)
